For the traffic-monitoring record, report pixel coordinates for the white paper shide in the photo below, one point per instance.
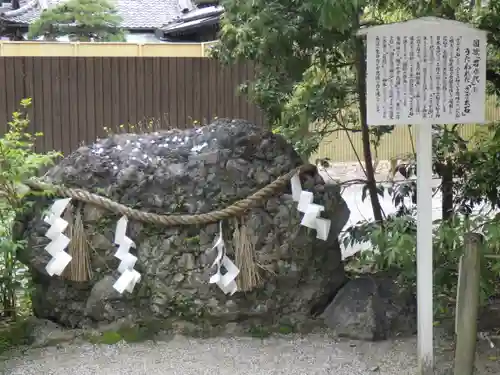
(58, 241)
(226, 274)
(129, 276)
(312, 211)
(426, 71)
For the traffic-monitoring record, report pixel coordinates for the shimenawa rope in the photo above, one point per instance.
(236, 209)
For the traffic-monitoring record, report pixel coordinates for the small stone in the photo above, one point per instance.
(205, 239)
(101, 242)
(232, 329)
(261, 308)
(92, 214)
(262, 178)
(167, 259)
(178, 277)
(167, 245)
(207, 273)
(210, 157)
(101, 293)
(46, 333)
(194, 280)
(186, 261)
(185, 328)
(238, 165)
(211, 230)
(212, 302)
(176, 169)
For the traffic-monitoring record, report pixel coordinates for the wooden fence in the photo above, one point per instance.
(75, 98)
(347, 147)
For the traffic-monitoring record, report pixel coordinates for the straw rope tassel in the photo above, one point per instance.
(79, 269)
(244, 250)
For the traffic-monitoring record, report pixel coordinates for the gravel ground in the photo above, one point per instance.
(291, 355)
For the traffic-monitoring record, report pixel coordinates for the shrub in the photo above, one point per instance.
(18, 161)
(394, 250)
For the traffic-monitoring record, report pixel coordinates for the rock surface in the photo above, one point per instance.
(188, 172)
(371, 308)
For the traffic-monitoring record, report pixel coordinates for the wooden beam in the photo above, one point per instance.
(468, 304)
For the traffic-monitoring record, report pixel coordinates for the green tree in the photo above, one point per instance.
(310, 80)
(310, 76)
(82, 20)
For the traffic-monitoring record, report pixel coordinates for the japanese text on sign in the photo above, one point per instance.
(414, 79)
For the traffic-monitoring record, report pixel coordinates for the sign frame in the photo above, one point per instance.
(424, 27)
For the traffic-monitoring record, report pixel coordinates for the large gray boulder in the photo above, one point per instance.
(372, 308)
(166, 173)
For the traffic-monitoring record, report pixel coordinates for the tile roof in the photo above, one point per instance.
(199, 17)
(136, 14)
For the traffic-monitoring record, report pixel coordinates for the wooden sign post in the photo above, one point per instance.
(423, 72)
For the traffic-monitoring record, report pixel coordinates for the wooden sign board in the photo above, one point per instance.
(427, 70)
